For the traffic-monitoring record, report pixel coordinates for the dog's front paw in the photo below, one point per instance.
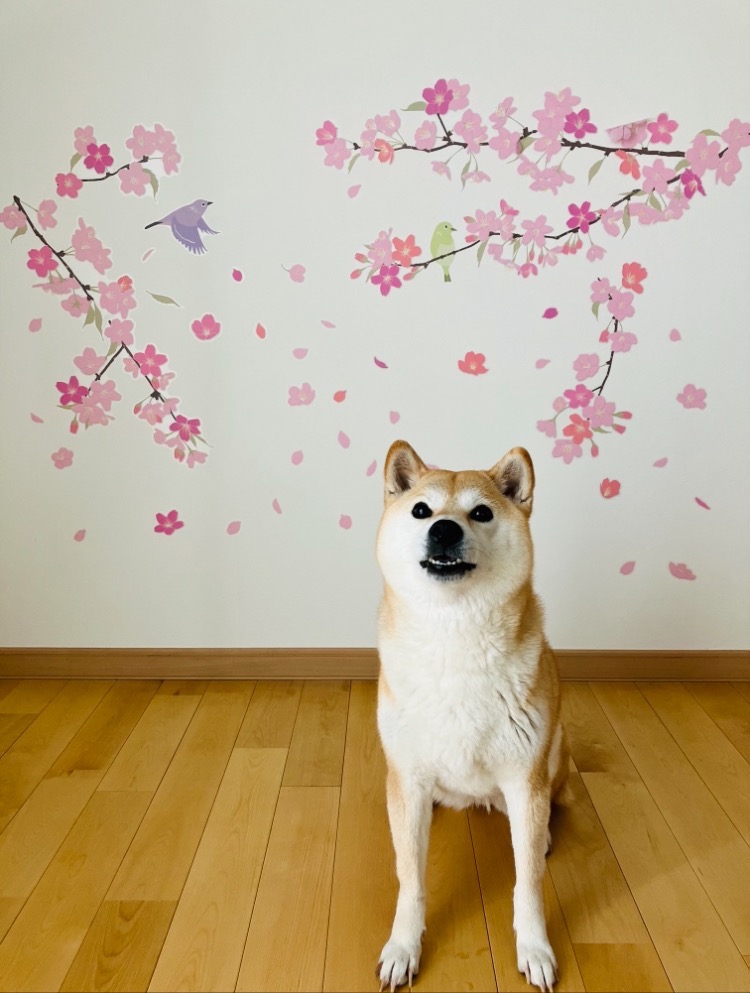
(537, 962)
(398, 964)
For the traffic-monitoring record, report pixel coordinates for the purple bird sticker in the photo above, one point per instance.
(187, 224)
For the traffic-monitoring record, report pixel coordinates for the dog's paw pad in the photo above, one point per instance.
(397, 965)
(537, 962)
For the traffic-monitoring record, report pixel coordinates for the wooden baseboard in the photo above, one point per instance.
(338, 663)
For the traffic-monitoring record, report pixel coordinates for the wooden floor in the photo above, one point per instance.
(222, 836)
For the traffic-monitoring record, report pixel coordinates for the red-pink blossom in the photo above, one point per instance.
(206, 328)
(384, 149)
(628, 164)
(41, 260)
(579, 397)
(609, 488)
(473, 364)
(405, 250)
(68, 184)
(186, 428)
(577, 429)
(150, 361)
(633, 275)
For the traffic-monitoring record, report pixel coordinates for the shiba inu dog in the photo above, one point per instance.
(469, 695)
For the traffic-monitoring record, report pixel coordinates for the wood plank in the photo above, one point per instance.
(44, 939)
(157, 864)
(622, 968)
(6, 685)
(183, 687)
(743, 688)
(10, 907)
(593, 743)
(142, 761)
(721, 767)
(728, 709)
(490, 834)
(596, 901)
(270, 718)
(286, 940)
(32, 754)
(12, 727)
(30, 696)
(694, 946)
(316, 751)
(121, 947)
(715, 848)
(363, 895)
(203, 949)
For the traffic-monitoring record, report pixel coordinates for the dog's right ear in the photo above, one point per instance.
(403, 467)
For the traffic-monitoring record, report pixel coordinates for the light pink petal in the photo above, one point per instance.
(297, 273)
(35, 324)
(299, 353)
(147, 254)
(541, 363)
(344, 439)
(237, 275)
(345, 522)
(233, 527)
(701, 503)
(36, 420)
(297, 457)
(394, 416)
(277, 506)
(550, 312)
(627, 567)
(328, 324)
(660, 463)
(379, 363)
(371, 468)
(353, 191)
(674, 335)
(339, 396)
(79, 535)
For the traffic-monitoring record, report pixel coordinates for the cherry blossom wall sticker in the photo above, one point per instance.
(106, 304)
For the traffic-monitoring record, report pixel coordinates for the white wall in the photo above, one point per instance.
(244, 87)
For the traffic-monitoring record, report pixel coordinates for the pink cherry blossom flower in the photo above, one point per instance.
(405, 250)
(89, 412)
(301, 396)
(703, 154)
(550, 121)
(567, 450)
(578, 124)
(164, 139)
(88, 248)
(367, 141)
(197, 458)
(547, 427)
(384, 149)
(581, 396)
(388, 124)
(150, 361)
(426, 135)
(120, 332)
(620, 304)
(152, 413)
(559, 404)
(115, 299)
(134, 180)
(45, 214)
(141, 143)
(599, 412)
(737, 133)
(628, 164)
(483, 226)
(505, 111)
(528, 269)
(577, 429)
(609, 488)
(628, 135)
(691, 184)
(471, 129)
(656, 177)
(71, 392)
(12, 217)
(460, 91)
(337, 152)
(680, 571)
(68, 184)
(505, 142)
(595, 253)
(62, 458)
(609, 219)
(89, 362)
(476, 177)
(662, 129)
(326, 134)
(104, 394)
(633, 275)
(692, 398)
(41, 260)
(206, 328)
(83, 137)
(600, 290)
(729, 166)
(564, 100)
(438, 97)
(387, 279)
(98, 158)
(442, 169)
(586, 366)
(581, 216)
(473, 364)
(168, 523)
(381, 251)
(186, 428)
(535, 231)
(75, 305)
(171, 161)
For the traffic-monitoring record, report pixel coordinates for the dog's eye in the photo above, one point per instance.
(481, 513)
(421, 510)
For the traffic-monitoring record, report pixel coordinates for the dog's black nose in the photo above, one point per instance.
(446, 533)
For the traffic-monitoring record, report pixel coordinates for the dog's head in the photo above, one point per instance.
(452, 534)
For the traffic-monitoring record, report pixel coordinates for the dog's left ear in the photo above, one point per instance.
(514, 477)
(403, 467)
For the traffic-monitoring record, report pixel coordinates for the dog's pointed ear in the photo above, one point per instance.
(403, 467)
(514, 477)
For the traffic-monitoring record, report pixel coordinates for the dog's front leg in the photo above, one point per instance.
(410, 816)
(528, 812)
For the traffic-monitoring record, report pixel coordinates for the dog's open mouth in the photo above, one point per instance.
(447, 566)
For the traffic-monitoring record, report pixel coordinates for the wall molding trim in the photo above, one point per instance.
(339, 663)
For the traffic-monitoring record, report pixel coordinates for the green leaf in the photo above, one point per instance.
(98, 319)
(595, 168)
(711, 132)
(682, 164)
(162, 299)
(516, 242)
(18, 232)
(417, 105)
(153, 180)
(463, 173)
(654, 202)
(480, 252)
(112, 348)
(626, 220)
(595, 310)
(352, 160)
(76, 158)
(89, 316)
(524, 143)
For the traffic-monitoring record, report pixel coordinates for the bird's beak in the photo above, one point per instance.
(453, 229)
(209, 202)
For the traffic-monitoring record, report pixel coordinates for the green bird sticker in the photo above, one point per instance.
(442, 243)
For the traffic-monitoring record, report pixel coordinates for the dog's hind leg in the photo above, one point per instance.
(410, 815)
(528, 811)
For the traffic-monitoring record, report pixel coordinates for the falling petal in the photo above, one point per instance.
(233, 527)
(660, 463)
(296, 273)
(344, 439)
(345, 522)
(237, 275)
(79, 535)
(626, 568)
(260, 331)
(680, 571)
(297, 457)
(328, 324)
(36, 420)
(299, 353)
(35, 324)
(701, 503)
(339, 396)
(674, 335)
(394, 416)
(147, 254)
(379, 363)
(371, 468)
(277, 506)
(353, 191)
(550, 312)
(541, 363)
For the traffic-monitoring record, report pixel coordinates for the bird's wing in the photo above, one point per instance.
(202, 226)
(189, 237)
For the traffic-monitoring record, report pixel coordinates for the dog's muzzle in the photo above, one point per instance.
(444, 557)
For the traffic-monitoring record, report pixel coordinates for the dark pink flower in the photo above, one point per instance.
(150, 361)
(168, 523)
(41, 260)
(579, 397)
(387, 279)
(691, 184)
(661, 130)
(71, 392)
(68, 184)
(609, 488)
(578, 124)
(98, 158)
(473, 364)
(581, 216)
(437, 97)
(186, 428)
(326, 134)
